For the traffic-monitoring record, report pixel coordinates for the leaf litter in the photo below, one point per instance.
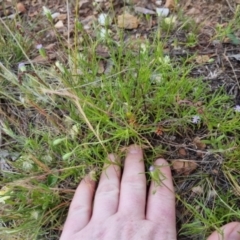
(193, 156)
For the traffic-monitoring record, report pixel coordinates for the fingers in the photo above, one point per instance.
(230, 231)
(80, 209)
(107, 195)
(161, 198)
(133, 184)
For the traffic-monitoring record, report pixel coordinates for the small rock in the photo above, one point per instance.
(55, 15)
(59, 24)
(197, 190)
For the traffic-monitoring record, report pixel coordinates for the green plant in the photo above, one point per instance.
(63, 118)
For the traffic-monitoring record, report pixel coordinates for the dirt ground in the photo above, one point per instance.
(222, 72)
(206, 13)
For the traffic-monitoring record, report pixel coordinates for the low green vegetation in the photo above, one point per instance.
(60, 119)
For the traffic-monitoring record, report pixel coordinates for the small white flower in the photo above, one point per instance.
(47, 158)
(103, 19)
(237, 108)
(162, 12)
(156, 78)
(74, 131)
(35, 214)
(46, 11)
(60, 66)
(27, 165)
(39, 46)
(104, 33)
(143, 47)
(22, 67)
(151, 168)
(170, 20)
(22, 99)
(196, 119)
(41, 50)
(164, 60)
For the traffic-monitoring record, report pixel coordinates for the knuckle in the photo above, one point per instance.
(108, 189)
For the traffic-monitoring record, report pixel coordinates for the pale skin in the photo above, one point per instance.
(121, 208)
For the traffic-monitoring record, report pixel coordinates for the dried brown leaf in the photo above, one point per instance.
(39, 59)
(62, 17)
(20, 7)
(50, 46)
(183, 166)
(200, 59)
(127, 21)
(170, 4)
(199, 144)
(182, 151)
(84, 3)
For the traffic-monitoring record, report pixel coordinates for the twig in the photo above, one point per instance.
(230, 7)
(226, 57)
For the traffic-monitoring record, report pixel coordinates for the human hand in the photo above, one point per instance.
(121, 209)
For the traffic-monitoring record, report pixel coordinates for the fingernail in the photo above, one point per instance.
(161, 162)
(112, 157)
(134, 149)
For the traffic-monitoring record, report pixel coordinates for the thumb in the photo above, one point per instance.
(230, 231)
